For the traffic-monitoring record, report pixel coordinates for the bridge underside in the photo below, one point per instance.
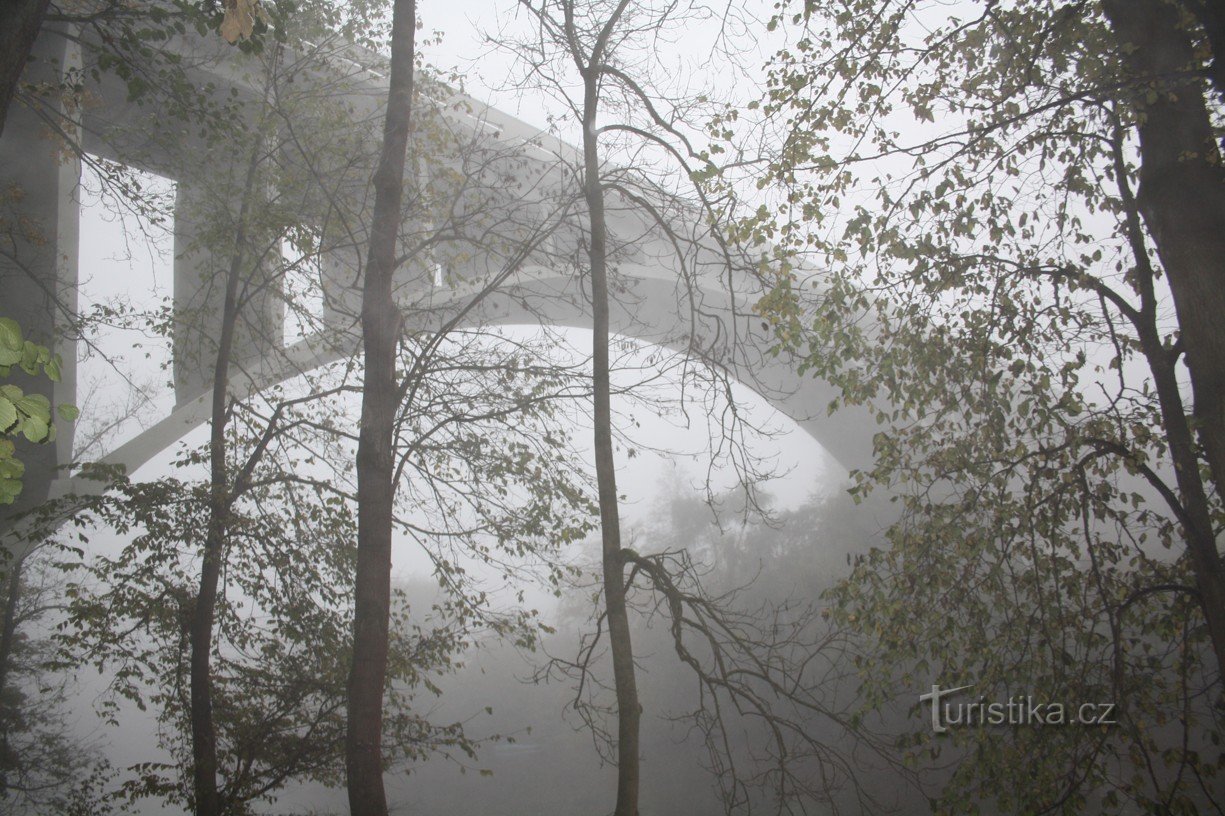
(491, 200)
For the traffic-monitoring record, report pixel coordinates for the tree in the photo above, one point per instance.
(224, 488)
(994, 286)
(591, 60)
(43, 765)
(741, 664)
(426, 375)
(1181, 198)
(262, 762)
(250, 246)
(381, 326)
(252, 722)
(247, 710)
(50, 99)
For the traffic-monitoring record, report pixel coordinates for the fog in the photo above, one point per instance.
(770, 408)
(536, 756)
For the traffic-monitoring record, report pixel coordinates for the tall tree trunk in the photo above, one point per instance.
(1193, 496)
(1197, 518)
(628, 708)
(20, 21)
(7, 642)
(1182, 198)
(203, 731)
(8, 628)
(8, 638)
(381, 322)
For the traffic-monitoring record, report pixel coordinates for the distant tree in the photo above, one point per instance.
(44, 766)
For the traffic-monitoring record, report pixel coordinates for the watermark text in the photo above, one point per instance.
(950, 709)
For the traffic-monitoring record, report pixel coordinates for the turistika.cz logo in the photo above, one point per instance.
(1019, 710)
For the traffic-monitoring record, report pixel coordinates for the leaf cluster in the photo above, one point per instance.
(21, 413)
(964, 179)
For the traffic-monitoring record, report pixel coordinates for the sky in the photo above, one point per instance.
(686, 56)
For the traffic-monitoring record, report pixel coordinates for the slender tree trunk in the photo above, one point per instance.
(203, 731)
(20, 21)
(1197, 521)
(1182, 199)
(628, 707)
(381, 322)
(8, 629)
(8, 636)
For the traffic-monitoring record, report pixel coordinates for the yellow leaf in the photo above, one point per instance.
(239, 19)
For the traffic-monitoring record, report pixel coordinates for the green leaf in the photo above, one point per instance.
(8, 414)
(29, 358)
(35, 405)
(35, 429)
(10, 334)
(67, 411)
(10, 489)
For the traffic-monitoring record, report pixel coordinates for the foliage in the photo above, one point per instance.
(483, 482)
(27, 415)
(965, 180)
(44, 765)
(282, 649)
(601, 61)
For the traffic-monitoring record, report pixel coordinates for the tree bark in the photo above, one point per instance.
(1182, 199)
(381, 322)
(1212, 17)
(8, 629)
(8, 639)
(20, 21)
(1197, 518)
(625, 682)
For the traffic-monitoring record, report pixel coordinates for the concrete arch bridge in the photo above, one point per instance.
(494, 234)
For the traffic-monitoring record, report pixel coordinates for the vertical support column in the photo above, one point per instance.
(205, 223)
(342, 287)
(199, 292)
(39, 224)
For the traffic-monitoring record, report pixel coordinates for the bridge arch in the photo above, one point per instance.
(656, 305)
(536, 297)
